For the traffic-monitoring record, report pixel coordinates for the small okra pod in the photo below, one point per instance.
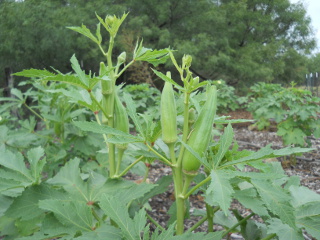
(168, 114)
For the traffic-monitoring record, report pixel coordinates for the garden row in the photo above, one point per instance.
(62, 168)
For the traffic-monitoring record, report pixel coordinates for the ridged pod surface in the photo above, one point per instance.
(200, 136)
(168, 114)
(121, 119)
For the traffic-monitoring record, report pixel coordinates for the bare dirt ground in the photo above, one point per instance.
(307, 167)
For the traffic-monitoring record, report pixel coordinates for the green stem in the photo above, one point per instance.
(269, 236)
(129, 167)
(146, 175)
(99, 105)
(197, 186)
(210, 215)
(99, 122)
(185, 126)
(119, 159)
(163, 159)
(238, 223)
(155, 222)
(195, 226)
(34, 112)
(124, 68)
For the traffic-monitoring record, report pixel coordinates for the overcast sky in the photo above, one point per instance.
(313, 10)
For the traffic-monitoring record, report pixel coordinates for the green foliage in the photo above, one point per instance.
(294, 110)
(239, 41)
(86, 197)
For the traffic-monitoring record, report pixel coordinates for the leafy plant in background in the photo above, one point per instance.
(93, 201)
(294, 110)
(145, 97)
(227, 98)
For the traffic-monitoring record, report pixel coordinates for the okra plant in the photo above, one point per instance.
(97, 203)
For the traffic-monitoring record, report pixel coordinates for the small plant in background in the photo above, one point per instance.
(294, 110)
(91, 200)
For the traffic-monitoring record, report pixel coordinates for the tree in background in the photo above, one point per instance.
(240, 41)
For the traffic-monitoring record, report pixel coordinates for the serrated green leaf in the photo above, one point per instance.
(248, 198)
(36, 163)
(302, 195)
(69, 178)
(51, 228)
(118, 212)
(80, 73)
(102, 233)
(15, 162)
(34, 73)
(117, 135)
(167, 79)
(26, 206)
(7, 184)
(311, 224)
(85, 31)
(220, 191)
(283, 231)
(224, 145)
(155, 57)
(276, 200)
(133, 114)
(72, 213)
(310, 209)
(17, 93)
(226, 221)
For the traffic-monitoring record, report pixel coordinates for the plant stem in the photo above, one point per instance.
(99, 105)
(159, 155)
(146, 175)
(269, 236)
(195, 226)
(197, 186)
(34, 112)
(210, 215)
(155, 222)
(124, 68)
(128, 168)
(119, 159)
(238, 223)
(99, 122)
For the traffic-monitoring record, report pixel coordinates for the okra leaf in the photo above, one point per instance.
(283, 231)
(80, 73)
(17, 93)
(34, 73)
(26, 206)
(196, 155)
(167, 79)
(15, 163)
(69, 178)
(35, 156)
(155, 57)
(133, 114)
(225, 143)
(276, 200)
(220, 191)
(102, 233)
(311, 225)
(74, 214)
(51, 228)
(302, 195)
(118, 212)
(117, 135)
(85, 31)
(249, 199)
